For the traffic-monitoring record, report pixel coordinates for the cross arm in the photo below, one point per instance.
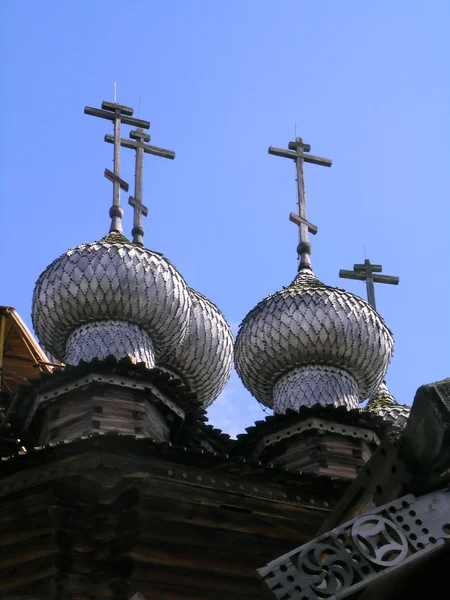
(116, 179)
(295, 145)
(146, 147)
(362, 276)
(141, 136)
(373, 268)
(138, 204)
(352, 275)
(298, 220)
(105, 114)
(315, 160)
(125, 110)
(386, 279)
(282, 153)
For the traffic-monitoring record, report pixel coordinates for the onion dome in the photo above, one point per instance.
(111, 297)
(383, 404)
(205, 358)
(312, 344)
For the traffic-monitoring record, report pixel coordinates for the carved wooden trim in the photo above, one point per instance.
(349, 558)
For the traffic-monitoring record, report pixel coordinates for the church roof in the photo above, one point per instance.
(133, 447)
(22, 357)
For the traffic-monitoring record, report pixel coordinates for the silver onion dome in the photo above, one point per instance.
(205, 358)
(383, 404)
(111, 295)
(310, 343)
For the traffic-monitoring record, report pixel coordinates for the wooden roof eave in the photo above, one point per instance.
(28, 339)
(21, 357)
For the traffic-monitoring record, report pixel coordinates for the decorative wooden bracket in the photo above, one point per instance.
(363, 551)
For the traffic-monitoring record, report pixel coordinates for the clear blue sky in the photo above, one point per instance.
(368, 85)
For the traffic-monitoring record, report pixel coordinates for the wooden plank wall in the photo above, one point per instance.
(198, 544)
(102, 409)
(190, 541)
(330, 454)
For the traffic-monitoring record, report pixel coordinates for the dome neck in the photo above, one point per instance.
(100, 339)
(382, 396)
(306, 277)
(305, 258)
(313, 385)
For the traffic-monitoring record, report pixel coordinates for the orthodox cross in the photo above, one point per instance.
(139, 137)
(118, 114)
(366, 272)
(297, 151)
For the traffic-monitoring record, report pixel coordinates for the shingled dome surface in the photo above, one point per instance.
(111, 279)
(115, 297)
(309, 323)
(205, 357)
(383, 404)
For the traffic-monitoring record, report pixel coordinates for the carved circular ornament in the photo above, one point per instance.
(329, 569)
(379, 540)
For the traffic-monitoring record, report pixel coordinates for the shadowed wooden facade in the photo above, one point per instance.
(121, 489)
(21, 359)
(389, 535)
(111, 515)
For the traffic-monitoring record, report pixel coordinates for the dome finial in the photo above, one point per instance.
(137, 142)
(296, 152)
(118, 114)
(365, 272)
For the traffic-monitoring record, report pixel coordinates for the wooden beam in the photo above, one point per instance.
(104, 114)
(113, 106)
(386, 279)
(141, 136)
(115, 179)
(344, 274)
(296, 145)
(2, 342)
(360, 276)
(373, 268)
(301, 221)
(149, 149)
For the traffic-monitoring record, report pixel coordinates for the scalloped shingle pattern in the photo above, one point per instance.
(103, 338)
(312, 385)
(310, 323)
(383, 404)
(205, 357)
(111, 280)
(395, 414)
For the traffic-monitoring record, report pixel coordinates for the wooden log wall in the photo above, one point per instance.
(26, 545)
(325, 453)
(169, 531)
(101, 409)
